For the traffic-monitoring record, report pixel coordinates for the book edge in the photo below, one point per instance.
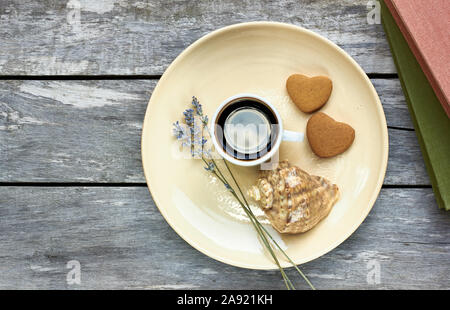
(426, 68)
(429, 166)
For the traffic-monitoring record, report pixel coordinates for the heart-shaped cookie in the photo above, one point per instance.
(309, 94)
(327, 137)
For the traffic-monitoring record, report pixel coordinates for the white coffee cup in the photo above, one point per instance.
(261, 106)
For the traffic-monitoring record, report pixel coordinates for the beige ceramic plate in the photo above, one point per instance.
(257, 58)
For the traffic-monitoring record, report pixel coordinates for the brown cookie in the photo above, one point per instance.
(309, 94)
(327, 137)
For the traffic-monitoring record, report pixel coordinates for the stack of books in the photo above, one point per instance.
(418, 32)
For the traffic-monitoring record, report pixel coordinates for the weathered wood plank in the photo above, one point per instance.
(121, 241)
(72, 131)
(51, 37)
(394, 104)
(89, 131)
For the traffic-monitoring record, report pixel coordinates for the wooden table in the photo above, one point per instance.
(73, 93)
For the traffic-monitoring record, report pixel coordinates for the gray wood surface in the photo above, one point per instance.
(89, 131)
(71, 182)
(143, 37)
(122, 241)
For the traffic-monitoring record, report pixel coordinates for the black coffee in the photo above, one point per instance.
(247, 129)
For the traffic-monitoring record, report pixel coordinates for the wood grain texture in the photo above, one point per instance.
(89, 131)
(51, 37)
(121, 241)
(394, 104)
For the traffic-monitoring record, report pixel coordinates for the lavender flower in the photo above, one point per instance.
(189, 117)
(205, 120)
(199, 110)
(210, 167)
(182, 135)
(179, 131)
(197, 106)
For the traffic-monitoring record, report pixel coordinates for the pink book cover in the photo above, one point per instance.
(425, 24)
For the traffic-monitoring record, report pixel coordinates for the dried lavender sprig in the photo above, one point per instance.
(212, 167)
(264, 229)
(254, 221)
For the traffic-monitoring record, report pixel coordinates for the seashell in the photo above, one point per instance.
(293, 200)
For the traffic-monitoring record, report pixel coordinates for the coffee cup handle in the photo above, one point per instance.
(292, 136)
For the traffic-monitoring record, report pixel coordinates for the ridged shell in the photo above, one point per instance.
(293, 200)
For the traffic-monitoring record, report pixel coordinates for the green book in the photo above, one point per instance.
(430, 120)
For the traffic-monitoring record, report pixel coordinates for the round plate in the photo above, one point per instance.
(257, 58)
